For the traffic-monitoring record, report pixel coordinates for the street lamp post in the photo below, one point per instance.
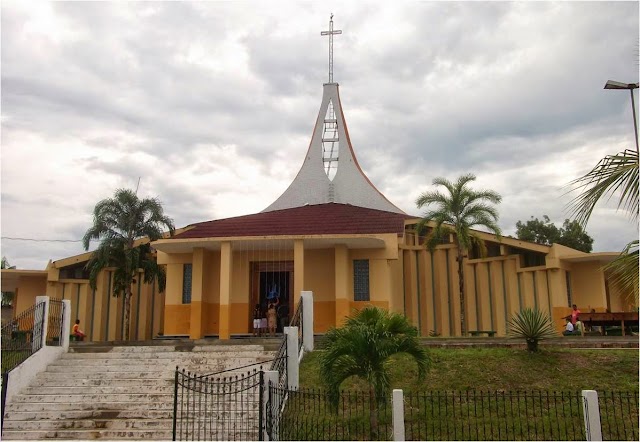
(631, 86)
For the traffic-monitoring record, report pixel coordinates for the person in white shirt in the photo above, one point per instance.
(568, 330)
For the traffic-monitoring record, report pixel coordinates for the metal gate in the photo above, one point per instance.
(215, 408)
(54, 327)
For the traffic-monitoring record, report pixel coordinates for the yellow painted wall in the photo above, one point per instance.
(588, 285)
(28, 289)
(319, 277)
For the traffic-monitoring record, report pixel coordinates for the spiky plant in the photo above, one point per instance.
(533, 325)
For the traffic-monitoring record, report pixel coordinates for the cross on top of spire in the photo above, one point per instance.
(331, 33)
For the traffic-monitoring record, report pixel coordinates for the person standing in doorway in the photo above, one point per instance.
(263, 320)
(272, 318)
(257, 316)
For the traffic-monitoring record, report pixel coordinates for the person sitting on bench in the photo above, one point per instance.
(75, 331)
(568, 330)
(578, 327)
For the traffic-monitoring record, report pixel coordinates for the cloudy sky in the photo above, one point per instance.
(211, 105)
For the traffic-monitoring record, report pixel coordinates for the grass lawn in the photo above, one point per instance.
(504, 369)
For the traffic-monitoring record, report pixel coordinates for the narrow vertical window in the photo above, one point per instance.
(361, 279)
(186, 284)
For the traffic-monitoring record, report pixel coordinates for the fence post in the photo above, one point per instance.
(591, 412)
(292, 357)
(270, 378)
(398, 414)
(45, 323)
(307, 320)
(66, 324)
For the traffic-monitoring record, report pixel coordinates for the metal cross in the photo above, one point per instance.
(331, 33)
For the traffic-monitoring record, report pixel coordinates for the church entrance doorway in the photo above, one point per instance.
(272, 281)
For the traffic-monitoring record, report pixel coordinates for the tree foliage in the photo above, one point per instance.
(543, 231)
(118, 222)
(362, 348)
(615, 175)
(458, 211)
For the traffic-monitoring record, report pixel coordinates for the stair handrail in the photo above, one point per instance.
(22, 337)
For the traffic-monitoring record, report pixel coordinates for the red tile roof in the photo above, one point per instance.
(331, 218)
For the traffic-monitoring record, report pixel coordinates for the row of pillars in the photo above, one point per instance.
(226, 277)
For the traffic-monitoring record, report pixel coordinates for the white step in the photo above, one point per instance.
(165, 348)
(89, 414)
(87, 434)
(165, 387)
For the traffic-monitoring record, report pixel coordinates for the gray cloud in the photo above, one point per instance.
(213, 104)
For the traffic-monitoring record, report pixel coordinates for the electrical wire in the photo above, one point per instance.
(42, 240)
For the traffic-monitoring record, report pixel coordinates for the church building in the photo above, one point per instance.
(334, 233)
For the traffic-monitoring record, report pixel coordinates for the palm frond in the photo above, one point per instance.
(614, 174)
(363, 346)
(624, 272)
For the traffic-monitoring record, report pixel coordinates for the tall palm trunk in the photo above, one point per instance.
(463, 328)
(127, 291)
(373, 413)
(127, 313)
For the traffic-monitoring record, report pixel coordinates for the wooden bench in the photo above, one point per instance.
(490, 333)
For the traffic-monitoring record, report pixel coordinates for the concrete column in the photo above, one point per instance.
(307, 320)
(42, 339)
(298, 270)
(293, 375)
(270, 378)
(66, 325)
(342, 289)
(591, 413)
(398, 415)
(197, 293)
(226, 257)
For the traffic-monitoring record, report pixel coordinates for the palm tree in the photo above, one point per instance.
(614, 174)
(458, 211)
(118, 222)
(362, 348)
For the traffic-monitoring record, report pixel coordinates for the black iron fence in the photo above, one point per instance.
(218, 407)
(309, 414)
(494, 415)
(54, 327)
(279, 364)
(619, 415)
(22, 337)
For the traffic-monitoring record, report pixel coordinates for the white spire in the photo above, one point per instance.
(325, 175)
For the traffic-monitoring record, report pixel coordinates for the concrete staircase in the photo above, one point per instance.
(116, 392)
